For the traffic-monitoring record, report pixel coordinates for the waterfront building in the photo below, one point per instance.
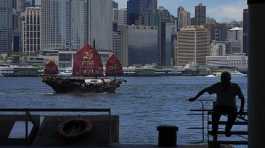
(142, 12)
(6, 25)
(218, 48)
(142, 45)
(66, 59)
(76, 22)
(239, 62)
(246, 24)
(183, 18)
(31, 31)
(200, 14)
(120, 44)
(235, 39)
(192, 46)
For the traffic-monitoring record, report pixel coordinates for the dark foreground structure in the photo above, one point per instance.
(256, 82)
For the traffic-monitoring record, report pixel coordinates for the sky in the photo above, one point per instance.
(221, 10)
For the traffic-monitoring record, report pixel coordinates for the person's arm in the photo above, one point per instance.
(198, 95)
(242, 98)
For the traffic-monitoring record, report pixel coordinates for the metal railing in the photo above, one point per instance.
(241, 121)
(203, 113)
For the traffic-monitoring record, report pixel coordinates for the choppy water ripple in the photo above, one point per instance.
(142, 103)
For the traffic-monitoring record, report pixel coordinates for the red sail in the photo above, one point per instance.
(51, 68)
(87, 62)
(113, 67)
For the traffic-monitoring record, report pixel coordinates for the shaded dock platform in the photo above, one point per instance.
(129, 146)
(40, 127)
(40, 131)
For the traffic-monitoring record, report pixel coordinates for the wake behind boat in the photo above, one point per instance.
(87, 76)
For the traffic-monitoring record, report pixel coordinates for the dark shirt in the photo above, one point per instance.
(226, 94)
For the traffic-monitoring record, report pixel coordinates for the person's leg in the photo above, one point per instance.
(230, 122)
(215, 121)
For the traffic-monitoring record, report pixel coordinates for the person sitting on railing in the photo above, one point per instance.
(225, 104)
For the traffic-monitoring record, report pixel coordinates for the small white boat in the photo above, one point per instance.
(210, 76)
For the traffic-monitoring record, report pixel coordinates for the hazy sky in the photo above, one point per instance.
(221, 10)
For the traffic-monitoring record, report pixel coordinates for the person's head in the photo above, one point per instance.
(225, 77)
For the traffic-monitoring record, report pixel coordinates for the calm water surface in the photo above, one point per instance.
(142, 103)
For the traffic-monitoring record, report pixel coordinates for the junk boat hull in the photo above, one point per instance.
(84, 85)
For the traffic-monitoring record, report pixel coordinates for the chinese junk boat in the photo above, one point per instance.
(88, 74)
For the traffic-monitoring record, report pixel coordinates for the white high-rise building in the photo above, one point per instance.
(72, 23)
(31, 31)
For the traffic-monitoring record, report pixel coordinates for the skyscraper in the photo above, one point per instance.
(55, 24)
(193, 45)
(72, 23)
(165, 15)
(6, 25)
(142, 12)
(31, 31)
(183, 18)
(165, 33)
(142, 45)
(200, 14)
(122, 17)
(245, 31)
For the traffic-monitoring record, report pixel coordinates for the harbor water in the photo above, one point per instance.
(143, 103)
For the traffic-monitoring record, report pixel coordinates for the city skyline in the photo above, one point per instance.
(222, 11)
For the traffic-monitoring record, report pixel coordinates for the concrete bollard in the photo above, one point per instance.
(167, 135)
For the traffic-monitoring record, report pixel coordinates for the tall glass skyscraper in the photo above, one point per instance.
(142, 12)
(200, 14)
(6, 25)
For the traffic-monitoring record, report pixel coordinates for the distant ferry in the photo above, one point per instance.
(19, 71)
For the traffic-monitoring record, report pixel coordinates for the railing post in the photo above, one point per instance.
(203, 127)
(27, 126)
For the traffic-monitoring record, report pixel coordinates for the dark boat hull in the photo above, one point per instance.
(68, 85)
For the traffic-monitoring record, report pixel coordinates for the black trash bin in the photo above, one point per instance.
(167, 135)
